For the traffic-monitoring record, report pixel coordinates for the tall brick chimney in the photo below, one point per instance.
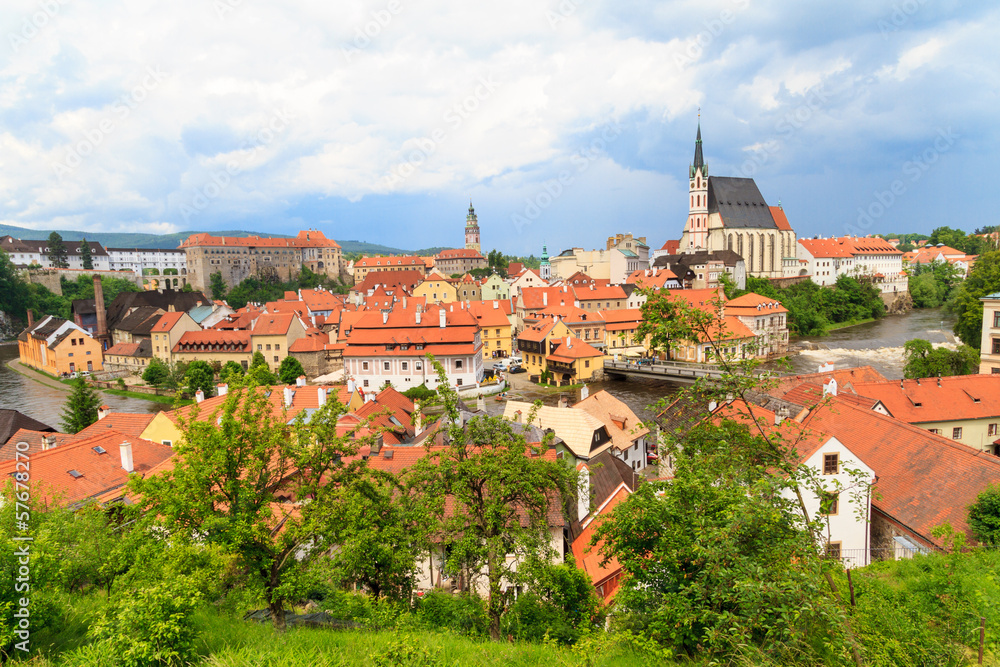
(102, 315)
(31, 318)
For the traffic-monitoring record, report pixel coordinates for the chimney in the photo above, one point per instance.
(48, 442)
(320, 396)
(222, 389)
(830, 388)
(442, 317)
(31, 318)
(481, 404)
(103, 412)
(712, 405)
(418, 315)
(377, 446)
(199, 396)
(569, 343)
(300, 381)
(584, 392)
(385, 317)
(350, 385)
(563, 402)
(496, 304)
(170, 308)
(102, 315)
(404, 303)
(545, 299)
(126, 451)
(289, 394)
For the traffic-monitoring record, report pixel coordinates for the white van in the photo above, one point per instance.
(505, 364)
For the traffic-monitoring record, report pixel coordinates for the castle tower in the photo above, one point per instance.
(696, 227)
(544, 267)
(472, 230)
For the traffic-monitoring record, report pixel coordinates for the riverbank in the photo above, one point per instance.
(852, 323)
(67, 385)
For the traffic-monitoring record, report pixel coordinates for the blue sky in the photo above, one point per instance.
(565, 121)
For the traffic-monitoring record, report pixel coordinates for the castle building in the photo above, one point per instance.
(472, 230)
(545, 267)
(727, 213)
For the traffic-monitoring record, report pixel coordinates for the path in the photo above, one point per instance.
(15, 365)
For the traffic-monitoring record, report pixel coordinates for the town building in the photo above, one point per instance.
(726, 213)
(472, 231)
(213, 345)
(549, 349)
(458, 261)
(766, 318)
(623, 255)
(586, 325)
(137, 325)
(437, 289)
(534, 342)
(167, 332)
(130, 357)
(545, 266)
(703, 270)
(12, 421)
(28, 252)
(989, 346)
(496, 331)
(169, 263)
(468, 288)
(872, 258)
(391, 346)
(629, 436)
(393, 282)
(366, 266)
(493, 287)
(273, 334)
(621, 333)
(59, 347)
(237, 258)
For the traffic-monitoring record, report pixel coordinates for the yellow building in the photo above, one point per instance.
(573, 360)
(494, 287)
(436, 289)
(273, 334)
(59, 346)
(534, 342)
(168, 330)
(468, 288)
(989, 348)
(213, 345)
(495, 328)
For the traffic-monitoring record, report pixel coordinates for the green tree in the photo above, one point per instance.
(501, 492)
(156, 372)
(241, 480)
(290, 370)
(260, 370)
(983, 279)
(199, 375)
(15, 296)
(217, 286)
(57, 251)
(81, 407)
(984, 516)
(923, 360)
(232, 372)
(85, 257)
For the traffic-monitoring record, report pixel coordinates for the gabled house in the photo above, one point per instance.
(167, 331)
(583, 435)
(59, 347)
(273, 335)
(629, 436)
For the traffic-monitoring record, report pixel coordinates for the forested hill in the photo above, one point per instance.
(137, 240)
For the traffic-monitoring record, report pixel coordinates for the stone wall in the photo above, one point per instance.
(50, 277)
(318, 363)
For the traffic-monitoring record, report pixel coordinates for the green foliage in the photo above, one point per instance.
(199, 375)
(265, 286)
(500, 497)
(956, 238)
(232, 372)
(420, 393)
(984, 516)
(57, 251)
(85, 256)
(217, 286)
(924, 360)
(463, 613)
(562, 605)
(405, 652)
(260, 372)
(151, 626)
(290, 370)
(983, 279)
(156, 372)
(83, 288)
(81, 407)
(931, 285)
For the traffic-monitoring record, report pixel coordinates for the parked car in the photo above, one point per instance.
(505, 364)
(518, 369)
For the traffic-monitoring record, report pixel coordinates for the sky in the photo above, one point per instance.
(563, 121)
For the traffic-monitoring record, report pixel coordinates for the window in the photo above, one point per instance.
(259, 347)
(996, 346)
(385, 365)
(458, 364)
(830, 504)
(586, 363)
(935, 431)
(70, 354)
(365, 383)
(956, 433)
(405, 365)
(459, 382)
(996, 319)
(831, 464)
(833, 550)
(275, 358)
(277, 346)
(418, 365)
(992, 429)
(268, 347)
(364, 365)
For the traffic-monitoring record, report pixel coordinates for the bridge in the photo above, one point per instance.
(675, 371)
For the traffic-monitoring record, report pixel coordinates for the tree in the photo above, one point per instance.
(501, 490)
(81, 407)
(156, 372)
(217, 286)
(983, 279)
(260, 371)
(923, 360)
(57, 251)
(15, 296)
(260, 485)
(290, 370)
(199, 375)
(381, 529)
(85, 257)
(231, 372)
(984, 516)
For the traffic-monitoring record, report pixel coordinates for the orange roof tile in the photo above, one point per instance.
(167, 321)
(951, 398)
(130, 423)
(572, 348)
(276, 324)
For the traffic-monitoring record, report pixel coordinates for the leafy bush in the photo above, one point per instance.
(462, 613)
(984, 516)
(405, 652)
(150, 626)
(420, 393)
(156, 372)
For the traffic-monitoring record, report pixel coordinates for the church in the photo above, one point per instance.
(727, 213)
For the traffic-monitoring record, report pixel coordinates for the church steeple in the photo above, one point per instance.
(472, 230)
(699, 160)
(696, 229)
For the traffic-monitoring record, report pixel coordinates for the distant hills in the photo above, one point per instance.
(136, 240)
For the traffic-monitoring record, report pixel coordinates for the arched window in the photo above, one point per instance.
(739, 242)
(761, 252)
(750, 262)
(771, 242)
(730, 241)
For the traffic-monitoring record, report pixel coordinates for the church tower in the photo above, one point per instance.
(544, 267)
(696, 228)
(472, 230)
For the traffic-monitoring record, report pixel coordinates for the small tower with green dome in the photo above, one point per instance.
(472, 230)
(544, 268)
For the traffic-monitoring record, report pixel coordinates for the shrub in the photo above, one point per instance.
(463, 613)
(420, 393)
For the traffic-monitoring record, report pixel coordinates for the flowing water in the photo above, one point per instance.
(45, 403)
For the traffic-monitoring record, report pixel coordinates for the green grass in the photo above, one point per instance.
(851, 323)
(146, 397)
(41, 372)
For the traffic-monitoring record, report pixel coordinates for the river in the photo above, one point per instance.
(879, 344)
(44, 403)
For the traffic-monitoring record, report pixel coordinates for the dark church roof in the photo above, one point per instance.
(125, 302)
(699, 258)
(739, 202)
(12, 420)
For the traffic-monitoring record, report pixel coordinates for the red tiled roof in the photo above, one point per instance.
(749, 302)
(924, 480)
(167, 321)
(672, 247)
(406, 278)
(951, 398)
(846, 378)
(535, 298)
(130, 423)
(489, 316)
(305, 239)
(599, 292)
(458, 253)
(376, 262)
(316, 342)
(588, 558)
(848, 246)
(122, 349)
(537, 332)
(273, 325)
(34, 440)
(650, 277)
(780, 220)
(195, 339)
(571, 349)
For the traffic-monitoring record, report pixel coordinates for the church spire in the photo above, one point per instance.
(699, 160)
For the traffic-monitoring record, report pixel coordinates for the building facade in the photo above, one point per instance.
(472, 230)
(26, 252)
(59, 347)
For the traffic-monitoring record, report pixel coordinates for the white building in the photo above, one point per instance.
(24, 253)
(827, 259)
(391, 346)
(138, 259)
